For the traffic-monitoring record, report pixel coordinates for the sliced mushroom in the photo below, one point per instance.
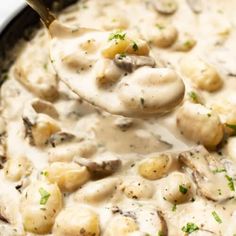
(39, 121)
(130, 63)
(59, 138)
(195, 5)
(37, 106)
(209, 174)
(4, 219)
(166, 7)
(100, 169)
(164, 227)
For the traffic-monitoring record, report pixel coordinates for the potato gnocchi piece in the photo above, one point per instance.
(137, 188)
(97, 191)
(178, 188)
(43, 129)
(166, 7)
(66, 152)
(107, 72)
(162, 35)
(40, 204)
(68, 176)
(202, 74)
(120, 43)
(227, 113)
(155, 167)
(39, 121)
(207, 128)
(16, 168)
(115, 21)
(184, 43)
(121, 225)
(77, 221)
(147, 87)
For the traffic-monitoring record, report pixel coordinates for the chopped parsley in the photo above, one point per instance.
(160, 27)
(216, 217)
(193, 96)
(135, 46)
(183, 189)
(174, 207)
(188, 44)
(44, 196)
(118, 35)
(233, 127)
(45, 173)
(160, 233)
(218, 170)
(230, 183)
(121, 55)
(190, 228)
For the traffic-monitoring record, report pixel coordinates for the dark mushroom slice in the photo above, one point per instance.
(4, 219)
(100, 169)
(209, 174)
(130, 63)
(195, 6)
(36, 107)
(166, 7)
(59, 138)
(164, 227)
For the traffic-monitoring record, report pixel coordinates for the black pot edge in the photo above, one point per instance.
(19, 26)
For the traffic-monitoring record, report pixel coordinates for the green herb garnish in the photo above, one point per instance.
(183, 189)
(230, 183)
(218, 170)
(233, 127)
(193, 96)
(216, 217)
(44, 196)
(174, 207)
(189, 228)
(118, 35)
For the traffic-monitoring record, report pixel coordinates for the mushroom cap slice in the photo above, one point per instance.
(209, 174)
(100, 169)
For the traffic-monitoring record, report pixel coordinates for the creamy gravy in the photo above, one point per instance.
(68, 168)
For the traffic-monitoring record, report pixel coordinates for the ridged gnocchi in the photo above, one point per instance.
(40, 203)
(137, 188)
(227, 114)
(121, 225)
(155, 167)
(16, 168)
(120, 43)
(201, 74)
(77, 221)
(68, 176)
(162, 35)
(207, 128)
(178, 188)
(97, 191)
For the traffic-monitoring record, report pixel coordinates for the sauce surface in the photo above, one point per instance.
(69, 168)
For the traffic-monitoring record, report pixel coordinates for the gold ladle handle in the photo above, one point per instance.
(46, 16)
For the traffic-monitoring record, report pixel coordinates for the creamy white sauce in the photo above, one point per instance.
(100, 136)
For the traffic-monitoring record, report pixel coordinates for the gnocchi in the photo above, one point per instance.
(68, 176)
(40, 203)
(76, 221)
(155, 167)
(207, 128)
(201, 74)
